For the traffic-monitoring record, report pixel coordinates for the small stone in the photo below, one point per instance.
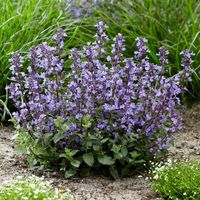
(178, 146)
(191, 146)
(183, 144)
(88, 196)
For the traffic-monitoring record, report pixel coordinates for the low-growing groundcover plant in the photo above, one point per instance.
(109, 111)
(32, 188)
(177, 180)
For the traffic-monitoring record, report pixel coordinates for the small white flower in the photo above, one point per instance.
(108, 58)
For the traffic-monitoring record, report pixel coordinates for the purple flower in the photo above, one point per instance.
(142, 48)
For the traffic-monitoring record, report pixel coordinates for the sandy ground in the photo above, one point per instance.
(187, 145)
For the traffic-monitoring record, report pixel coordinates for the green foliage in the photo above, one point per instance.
(88, 158)
(32, 188)
(177, 180)
(99, 152)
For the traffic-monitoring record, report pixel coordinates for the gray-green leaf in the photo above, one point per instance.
(69, 173)
(114, 172)
(58, 121)
(75, 163)
(124, 151)
(88, 158)
(134, 154)
(20, 149)
(58, 136)
(106, 160)
(96, 147)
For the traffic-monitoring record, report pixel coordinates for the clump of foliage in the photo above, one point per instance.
(177, 180)
(32, 188)
(109, 111)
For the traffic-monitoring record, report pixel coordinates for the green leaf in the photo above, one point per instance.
(88, 159)
(58, 122)
(140, 161)
(71, 172)
(116, 148)
(118, 155)
(58, 136)
(73, 152)
(32, 161)
(87, 122)
(47, 138)
(104, 140)
(134, 154)
(86, 118)
(114, 173)
(75, 163)
(96, 147)
(106, 160)
(63, 127)
(92, 137)
(67, 154)
(124, 142)
(89, 143)
(63, 155)
(20, 149)
(124, 151)
(39, 149)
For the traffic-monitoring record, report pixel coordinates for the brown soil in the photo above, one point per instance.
(187, 145)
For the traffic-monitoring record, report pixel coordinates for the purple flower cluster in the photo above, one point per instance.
(123, 96)
(82, 8)
(37, 92)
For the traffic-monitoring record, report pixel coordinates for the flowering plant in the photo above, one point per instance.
(32, 188)
(176, 180)
(109, 110)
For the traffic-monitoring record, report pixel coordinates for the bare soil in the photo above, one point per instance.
(187, 145)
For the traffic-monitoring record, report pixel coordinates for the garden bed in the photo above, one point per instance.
(187, 145)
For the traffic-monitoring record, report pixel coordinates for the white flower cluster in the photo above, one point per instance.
(176, 180)
(32, 188)
(157, 168)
